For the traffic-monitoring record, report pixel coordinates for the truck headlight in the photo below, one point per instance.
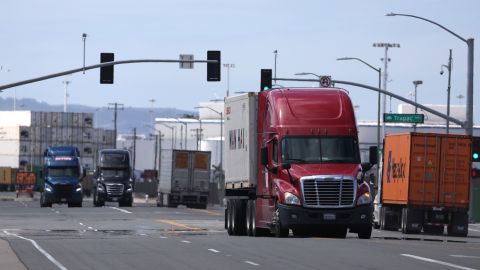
(129, 188)
(364, 199)
(79, 188)
(291, 199)
(48, 188)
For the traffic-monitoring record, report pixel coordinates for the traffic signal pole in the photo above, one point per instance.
(67, 72)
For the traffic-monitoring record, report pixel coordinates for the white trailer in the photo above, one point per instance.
(184, 178)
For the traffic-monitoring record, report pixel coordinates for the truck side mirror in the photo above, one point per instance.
(264, 155)
(373, 154)
(366, 166)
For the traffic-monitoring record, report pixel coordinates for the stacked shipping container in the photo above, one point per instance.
(21, 143)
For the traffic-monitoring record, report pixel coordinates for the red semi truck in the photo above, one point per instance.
(292, 162)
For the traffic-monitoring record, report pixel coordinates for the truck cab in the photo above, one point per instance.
(113, 178)
(63, 173)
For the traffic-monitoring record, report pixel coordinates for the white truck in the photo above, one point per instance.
(184, 178)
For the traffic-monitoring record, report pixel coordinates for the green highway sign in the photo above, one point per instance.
(402, 118)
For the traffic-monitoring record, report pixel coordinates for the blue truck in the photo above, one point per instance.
(112, 180)
(63, 173)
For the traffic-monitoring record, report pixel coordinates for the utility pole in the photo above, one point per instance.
(84, 38)
(134, 147)
(66, 96)
(449, 69)
(228, 66)
(115, 107)
(385, 74)
(275, 70)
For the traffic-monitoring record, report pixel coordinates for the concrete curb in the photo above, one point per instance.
(8, 258)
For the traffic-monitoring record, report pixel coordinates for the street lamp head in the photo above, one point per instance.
(345, 58)
(301, 73)
(391, 14)
(418, 82)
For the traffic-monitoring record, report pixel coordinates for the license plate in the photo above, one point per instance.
(114, 199)
(63, 199)
(329, 216)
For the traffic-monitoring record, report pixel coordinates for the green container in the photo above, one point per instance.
(39, 179)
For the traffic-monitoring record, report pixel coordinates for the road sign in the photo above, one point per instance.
(325, 81)
(403, 118)
(186, 57)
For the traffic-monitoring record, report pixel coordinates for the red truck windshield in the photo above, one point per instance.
(320, 150)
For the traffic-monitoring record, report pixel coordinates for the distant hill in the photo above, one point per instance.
(127, 119)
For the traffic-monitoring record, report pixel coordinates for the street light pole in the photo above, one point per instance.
(416, 83)
(84, 38)
(449, 69)
(470, 45)
(171, 128)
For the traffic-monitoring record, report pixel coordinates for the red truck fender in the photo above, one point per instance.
(280, 187)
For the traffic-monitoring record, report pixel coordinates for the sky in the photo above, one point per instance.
(43, 37)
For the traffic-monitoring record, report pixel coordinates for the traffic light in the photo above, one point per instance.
(265, 79)
(213, 69)
(475, 172)
(106, 73)
(476, 149)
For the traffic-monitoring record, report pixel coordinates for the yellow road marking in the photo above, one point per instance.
(174, 223)
(206, 211)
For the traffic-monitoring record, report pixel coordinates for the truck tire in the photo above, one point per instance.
(238, 217)
(280, 230)
(365, 232)
(229, 217)
(160, 200)
(249, 218)
(96, 201)
(458, 225)
(42, 201)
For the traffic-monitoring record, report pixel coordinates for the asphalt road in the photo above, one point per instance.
(149, 237)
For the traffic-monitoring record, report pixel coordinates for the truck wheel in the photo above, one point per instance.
(42, 201)
(160, 200)
(248, 218)
(238, 217)
(280, 230)
(458, 225)
(365, 232)
(229, 217)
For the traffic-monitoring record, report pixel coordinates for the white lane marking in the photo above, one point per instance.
(252, 263)
(90, 228)
(470, 229)
(39, 248)
(81, 224)
(466, 256)
(163, 237)
(185, 241)
(143, 234)
(213, 250)
(56, 212)
(95, 230)
(438, 262)
(121, 210)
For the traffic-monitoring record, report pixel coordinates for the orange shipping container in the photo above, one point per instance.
(426, 169)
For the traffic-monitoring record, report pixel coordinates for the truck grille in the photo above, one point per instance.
(63, 190)
(115, 189)
(328, 191)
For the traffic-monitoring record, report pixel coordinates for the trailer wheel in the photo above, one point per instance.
(248, 218)
(238, 217)
(458, 225)
(229, 217)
